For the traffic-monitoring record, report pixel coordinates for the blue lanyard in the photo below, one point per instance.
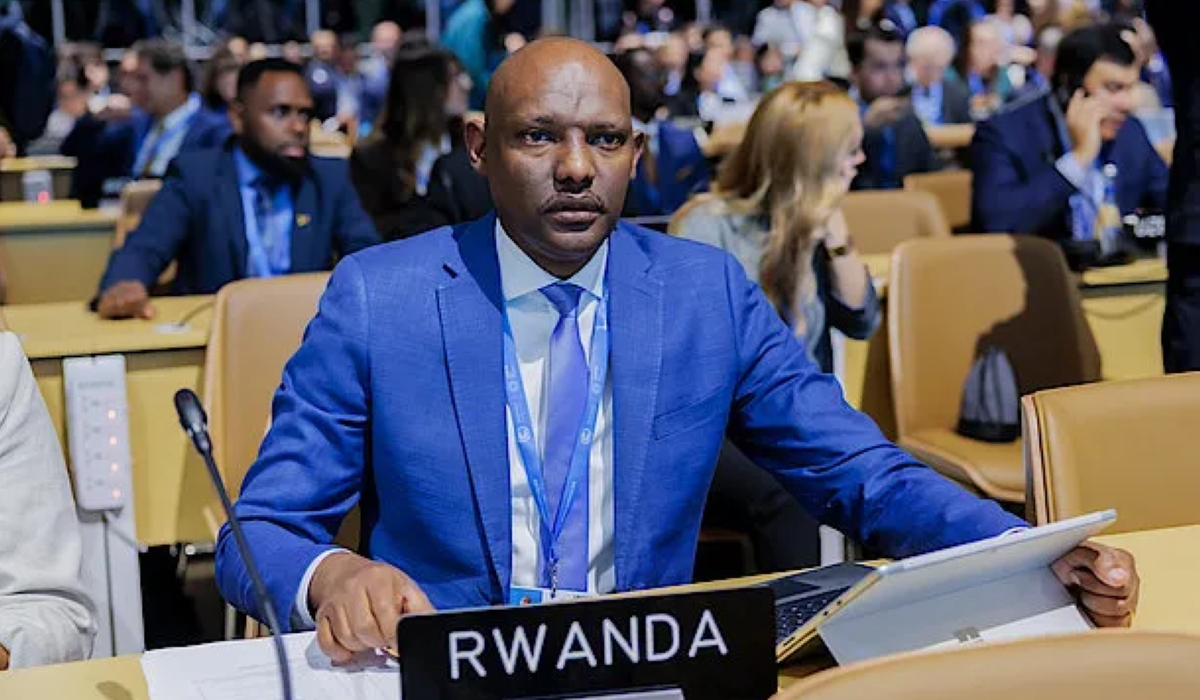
(518, 408)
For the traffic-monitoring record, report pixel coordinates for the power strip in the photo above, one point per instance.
(98, 431)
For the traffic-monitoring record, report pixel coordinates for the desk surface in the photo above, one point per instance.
(56, 215)
(24, 165)
(67, 329)
(1168, 603)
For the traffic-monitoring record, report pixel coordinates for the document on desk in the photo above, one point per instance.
(248, 670)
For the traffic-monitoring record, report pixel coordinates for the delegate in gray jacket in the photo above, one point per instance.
(45, 615)
(745, 237)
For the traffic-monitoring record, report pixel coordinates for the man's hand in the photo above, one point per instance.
(127, 299)
(1084, 115)
(3, 658)
(8, 149)
(116, 108)
(359, 602)
(1106, 581)
(884, 111)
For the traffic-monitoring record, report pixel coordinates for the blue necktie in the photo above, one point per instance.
(274, 249)
(567, 392)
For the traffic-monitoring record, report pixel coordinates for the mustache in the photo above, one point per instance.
(562, 203)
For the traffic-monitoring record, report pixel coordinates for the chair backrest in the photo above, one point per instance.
(257, 326)
(135, 197)
(951, 188)
(1100, 664)
(881, 220)
(950, 299)
(1127, 445)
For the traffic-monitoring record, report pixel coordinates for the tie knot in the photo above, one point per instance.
(564, 296)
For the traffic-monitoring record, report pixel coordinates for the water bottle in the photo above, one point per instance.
(1108, 219)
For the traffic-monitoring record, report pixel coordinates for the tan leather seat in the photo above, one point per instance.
(948, 300)
(1129, 445)
(1101, 664)
(881, 220)
(135, 197)
(257, 326)
(951, 188)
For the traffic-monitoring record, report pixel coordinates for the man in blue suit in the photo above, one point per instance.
(1039, 165)
(531, 404)
(259, 206)
(136, 137)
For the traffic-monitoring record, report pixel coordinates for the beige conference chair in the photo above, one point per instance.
(1100, 664)
(951, 188)
(948, 300)
(1129, 445)
(257, 326)
(881, 220)
(135, 197)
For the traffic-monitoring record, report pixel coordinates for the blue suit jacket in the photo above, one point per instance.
(108, 150)
(396, 393)
(197, 220)
(1018, 189)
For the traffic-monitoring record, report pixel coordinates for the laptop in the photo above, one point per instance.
(954, 594)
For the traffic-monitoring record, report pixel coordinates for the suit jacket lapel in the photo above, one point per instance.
(307, 248)
(471, 306)
(229, 215)
(636, 319)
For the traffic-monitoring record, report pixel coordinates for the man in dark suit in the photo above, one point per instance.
(1039, 164)
(260, 206)
(1174, 23)
(137, 136)
(894, 141)
(444, 386)
(937, 99)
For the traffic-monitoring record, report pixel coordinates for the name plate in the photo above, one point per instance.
(708, 645)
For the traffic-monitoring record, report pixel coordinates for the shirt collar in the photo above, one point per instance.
(248, 173)
(520, 275)
(182, 113)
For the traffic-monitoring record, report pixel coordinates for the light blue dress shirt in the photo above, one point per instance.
(165, 139)
(927, 103)
(283, 212)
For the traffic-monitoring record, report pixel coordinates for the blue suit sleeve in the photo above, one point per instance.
(1004, 202)
(353, 230)
(310, 468)
(791, 419)
(157, 240)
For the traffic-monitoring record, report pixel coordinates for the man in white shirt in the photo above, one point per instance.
(46, 616)
(136, 136)
(530, 406)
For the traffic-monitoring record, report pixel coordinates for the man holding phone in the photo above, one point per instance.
(1039, 165)
(894, 141)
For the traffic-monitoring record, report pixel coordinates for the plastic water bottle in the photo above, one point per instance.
(1108, 219)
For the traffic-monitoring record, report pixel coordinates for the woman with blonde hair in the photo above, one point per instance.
(776, 207)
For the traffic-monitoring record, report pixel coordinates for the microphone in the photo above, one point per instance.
(195, 424)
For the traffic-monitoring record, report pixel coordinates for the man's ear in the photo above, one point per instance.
(237, 116)
(639, 145)
(474, 137)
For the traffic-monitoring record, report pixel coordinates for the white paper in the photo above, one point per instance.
(248, 670)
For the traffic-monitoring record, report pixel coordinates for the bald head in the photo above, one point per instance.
(528, 71)
(558, 150)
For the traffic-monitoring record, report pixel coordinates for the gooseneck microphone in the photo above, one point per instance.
(195, 424)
